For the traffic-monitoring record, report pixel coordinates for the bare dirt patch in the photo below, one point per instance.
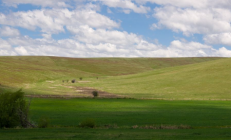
(78, 92)
(87, 91)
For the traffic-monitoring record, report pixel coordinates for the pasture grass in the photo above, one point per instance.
(207, 119)
(196, 92)
(117, 134)
(152, 78)
(208, 80)
(201, 81)
(15, 70)
(130, 112)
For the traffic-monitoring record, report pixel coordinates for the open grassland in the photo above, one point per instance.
(129, 112)
(202, 81)
(31, 69)
(188, 87)
(169, 78)
(116, 118)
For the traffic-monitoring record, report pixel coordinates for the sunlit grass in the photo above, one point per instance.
(202, 81)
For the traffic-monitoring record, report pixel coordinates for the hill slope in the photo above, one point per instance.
(207, 80)
(167, 78)
(30, 69)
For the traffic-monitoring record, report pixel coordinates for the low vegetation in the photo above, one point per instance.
(130, 112)
(14, 110)
(201, 81)
(127, 119)
(88, 123)
(95, 93)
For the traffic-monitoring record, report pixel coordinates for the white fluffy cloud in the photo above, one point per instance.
(91, 36)
(8, 31)
(54, 20)
(5, 48)
(96, 35)
(191, 21)
(224, 52)
(4, 44)
(207, 17)
(191, 49)
(223, 38)
(74, 48)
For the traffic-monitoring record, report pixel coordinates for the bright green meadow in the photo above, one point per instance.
(116, 118)
(139, 98)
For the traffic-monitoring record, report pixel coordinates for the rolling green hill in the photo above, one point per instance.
(24, 69)
(207, 80)
(168, 78)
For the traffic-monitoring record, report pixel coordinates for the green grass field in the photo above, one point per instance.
(147, 93)
(129, 112)
(117, 134)
(115, 117)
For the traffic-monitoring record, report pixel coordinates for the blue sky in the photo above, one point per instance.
(115, 28)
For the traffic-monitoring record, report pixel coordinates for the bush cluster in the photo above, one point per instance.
(14, 110)
(88, 123)
(95, 93)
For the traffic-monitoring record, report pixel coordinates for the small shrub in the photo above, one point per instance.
(80, 78)
(43, 122)
(95, 93)
(88, 123)
(73, 81)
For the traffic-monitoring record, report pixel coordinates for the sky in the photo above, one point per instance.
(115, 28)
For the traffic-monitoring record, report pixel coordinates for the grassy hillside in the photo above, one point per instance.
(207, 80)
(31, 69)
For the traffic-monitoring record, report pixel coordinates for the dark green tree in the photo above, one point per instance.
(14, 110)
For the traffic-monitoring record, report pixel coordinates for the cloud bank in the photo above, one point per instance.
(92, 33)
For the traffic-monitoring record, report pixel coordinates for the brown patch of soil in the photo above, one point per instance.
(79, 92)
(101, 94)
